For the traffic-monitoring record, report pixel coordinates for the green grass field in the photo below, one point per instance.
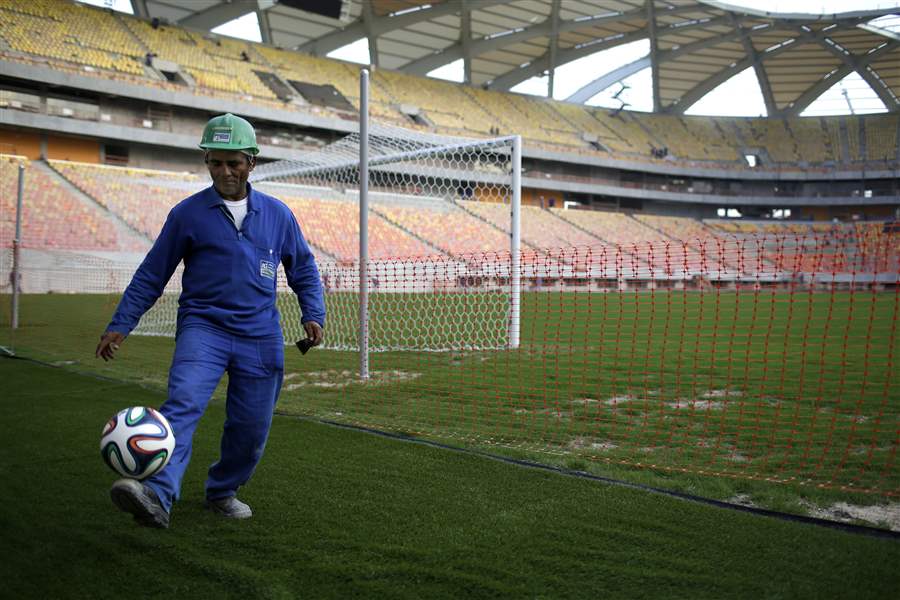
(788, 400)
(343, 514)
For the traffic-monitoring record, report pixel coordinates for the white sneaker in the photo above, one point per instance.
(230, 507)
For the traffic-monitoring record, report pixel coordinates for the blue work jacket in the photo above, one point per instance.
(229, 275)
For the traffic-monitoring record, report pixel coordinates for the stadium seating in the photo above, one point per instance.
(73, 36)
(445, 104)
(502, 115)
(673, 134)
(813, 140)
(839, 248)
(611, 227)
(628, 135)
(826, 252)
(534, 115)
(401, 226)
(679, 228)
(713, 136)
(140, 197)
(469, 234)
(877, 249)
(853, 138)
(695, 239)
(681, 244)
(143, 197)
(213, 63)
(771, 134)
(319, 71)
(325, 71)
(625, 233)
(541, 228)
(70, 32)
(765, 227)
(333, 226)
(833, 131)
(579, 119)
(881, 137)
(53, 218)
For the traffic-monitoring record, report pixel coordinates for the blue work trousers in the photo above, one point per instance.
(255, 368)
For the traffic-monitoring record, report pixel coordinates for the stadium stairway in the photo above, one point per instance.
(131, 35)
(846, 158)
(601, 241)
(654, 137)
(131, 241)
(524, 243)
(583, 230)
(612, 243)
(688, 232)
(437, 251)
(665, 234)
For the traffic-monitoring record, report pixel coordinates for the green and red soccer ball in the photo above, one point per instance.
(137, 442)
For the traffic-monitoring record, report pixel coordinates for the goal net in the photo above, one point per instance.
(426, 246)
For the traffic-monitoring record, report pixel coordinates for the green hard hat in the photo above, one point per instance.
(228, 132)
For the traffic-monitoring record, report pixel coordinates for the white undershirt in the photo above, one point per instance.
(238, 210)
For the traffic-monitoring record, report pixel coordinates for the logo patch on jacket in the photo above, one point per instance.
(267, 269)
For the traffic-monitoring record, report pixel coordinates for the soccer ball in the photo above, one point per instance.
(137, 442)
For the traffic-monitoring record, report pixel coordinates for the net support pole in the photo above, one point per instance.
(364, 224)
(515, 272)
(17, 243)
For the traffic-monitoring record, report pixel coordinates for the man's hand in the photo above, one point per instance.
(314, 332)
(109, 343)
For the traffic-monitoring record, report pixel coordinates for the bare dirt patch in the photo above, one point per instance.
(333, 378)
(878, 514)
(736, 457)
(696, 404)
(547, 411)
(584, 401)
(613, 400)
(741, 500)
(583, 443)
(555, 412)
(722, 394)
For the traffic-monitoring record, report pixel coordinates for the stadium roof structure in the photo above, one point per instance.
(694, 45)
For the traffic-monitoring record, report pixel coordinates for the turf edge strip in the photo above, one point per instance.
(783, 516)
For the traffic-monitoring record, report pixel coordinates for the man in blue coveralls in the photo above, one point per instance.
(231, 238)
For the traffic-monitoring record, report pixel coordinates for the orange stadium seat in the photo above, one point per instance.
(142, 198)
(694, 237)
(53, 217)
(818, 247)
(541, 228)
(333, 226)
(470, 235)
(405, 227)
